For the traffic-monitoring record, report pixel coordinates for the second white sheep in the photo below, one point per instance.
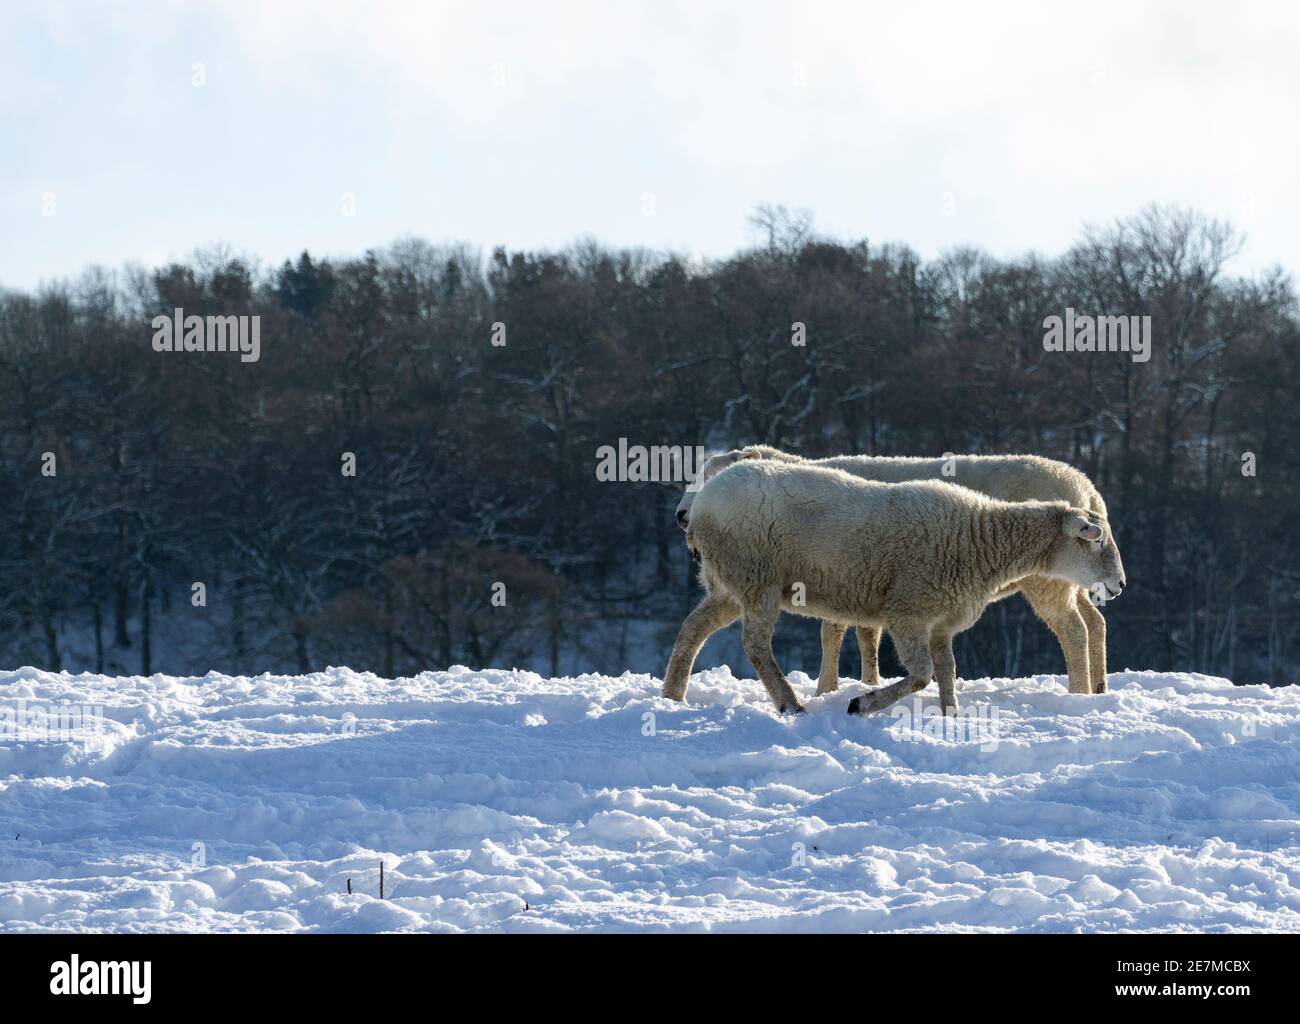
(1067, 610)
(919, 559)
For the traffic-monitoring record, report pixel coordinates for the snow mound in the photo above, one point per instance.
(502, 800)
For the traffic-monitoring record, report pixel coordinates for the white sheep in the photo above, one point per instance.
(920, 559)
(1067, 610)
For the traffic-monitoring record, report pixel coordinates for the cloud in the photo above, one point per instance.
(530, 124)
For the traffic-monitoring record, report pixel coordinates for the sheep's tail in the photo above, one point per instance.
(763, 451)
(691, 545)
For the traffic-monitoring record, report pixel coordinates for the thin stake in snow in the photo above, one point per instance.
(381, 879)
(349, 887)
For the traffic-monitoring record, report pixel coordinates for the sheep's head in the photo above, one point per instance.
(1086, 555)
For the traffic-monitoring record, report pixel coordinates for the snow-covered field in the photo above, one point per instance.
(215, 803)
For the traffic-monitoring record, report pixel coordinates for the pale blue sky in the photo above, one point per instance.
(536, 124)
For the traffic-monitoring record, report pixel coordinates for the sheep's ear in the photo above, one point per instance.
(1078, 525)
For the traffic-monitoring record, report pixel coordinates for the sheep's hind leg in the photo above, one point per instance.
(869, 645)
(756, 637)
(945, 670)
(828, 679)
(709, 616)
(913, 648)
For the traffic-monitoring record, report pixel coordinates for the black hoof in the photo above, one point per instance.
(855, 706)
(796, 710)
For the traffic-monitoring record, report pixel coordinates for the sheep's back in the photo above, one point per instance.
(1006, 477)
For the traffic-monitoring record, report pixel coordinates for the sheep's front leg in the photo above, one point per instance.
(709, 616)
(913, 646)
(869, 646)
(756, 637)
(1053, 601)
(1096, 625)
(945, 670)
(828, 679)
(1073, 634)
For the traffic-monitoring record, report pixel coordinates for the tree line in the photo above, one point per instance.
(406, 477)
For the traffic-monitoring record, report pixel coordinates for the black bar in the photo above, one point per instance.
(529, 973)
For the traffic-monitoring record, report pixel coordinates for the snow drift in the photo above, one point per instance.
(506, 801)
